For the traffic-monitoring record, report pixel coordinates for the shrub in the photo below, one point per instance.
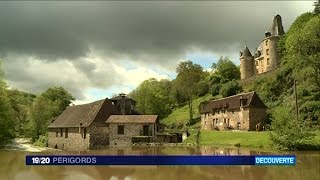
(42, 141)
(214, 90)
(288, 133)
(230, 88)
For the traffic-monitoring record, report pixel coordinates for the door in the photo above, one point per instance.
(238, 125)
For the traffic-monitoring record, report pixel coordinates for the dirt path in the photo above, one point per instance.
(23, 144)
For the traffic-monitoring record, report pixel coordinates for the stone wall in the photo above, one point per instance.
(246, 67)
(226, 120)
(130, 130)
(257, 115)
(73, 142)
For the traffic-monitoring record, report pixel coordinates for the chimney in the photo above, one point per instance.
(123, 103)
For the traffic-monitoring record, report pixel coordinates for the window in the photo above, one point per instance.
(268, 61)
(57, 134)
(266, 42)
(267, 51)
(232, 111)
(257, 63)
(84, 133)
(61, 132)
(120, 129)
(224, 120)
(66, 133)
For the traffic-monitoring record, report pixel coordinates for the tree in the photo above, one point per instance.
(20, 102)
(203, 88)
(176, 96)
(60, 96)
(317, 7)
(189, 75)
(43, 111)
(226, 70)
(46, 107)
(288, 133)
(230, 88)
(152, 97)
(6, 121)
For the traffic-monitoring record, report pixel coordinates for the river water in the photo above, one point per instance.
(12, 166)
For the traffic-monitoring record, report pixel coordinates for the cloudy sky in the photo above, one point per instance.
(97, 49)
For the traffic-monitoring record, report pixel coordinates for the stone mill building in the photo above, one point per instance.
(107, 122)
(266, 56)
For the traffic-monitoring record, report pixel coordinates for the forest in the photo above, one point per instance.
(23, 114)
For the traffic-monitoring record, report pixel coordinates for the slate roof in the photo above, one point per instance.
(119, 98)
(233, 102)
(132, 119)
(74, 115)
(246, 52)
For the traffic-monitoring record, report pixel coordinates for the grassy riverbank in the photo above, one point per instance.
(246, 139)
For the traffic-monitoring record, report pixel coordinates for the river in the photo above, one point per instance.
(12, 166)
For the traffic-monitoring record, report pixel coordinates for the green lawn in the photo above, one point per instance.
(246, 139)
(232, 138)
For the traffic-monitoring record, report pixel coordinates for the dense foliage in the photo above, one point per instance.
(27, 115)
(152, 97)
(6, 120)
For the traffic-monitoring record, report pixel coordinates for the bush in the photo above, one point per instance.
(203, 88)
(230, 88)
(214, 90)
(42, 141)
(288, 133)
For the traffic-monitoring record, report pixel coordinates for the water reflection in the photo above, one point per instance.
(12, 166)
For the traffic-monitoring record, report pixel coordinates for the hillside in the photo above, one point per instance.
(180, 116)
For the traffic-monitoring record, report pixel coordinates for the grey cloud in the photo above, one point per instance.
(158, 33)
(53, 30)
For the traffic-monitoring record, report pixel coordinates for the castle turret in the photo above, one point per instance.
(246, 63)
(272, 59)
(276, 28)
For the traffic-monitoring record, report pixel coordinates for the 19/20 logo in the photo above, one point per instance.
(40, 160)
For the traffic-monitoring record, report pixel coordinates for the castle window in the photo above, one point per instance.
(266, 42)
(57, 133)
(268, 61)
(257, 63)
(61, 132)
(267, 51)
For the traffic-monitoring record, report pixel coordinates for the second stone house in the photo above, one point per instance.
(244, 111)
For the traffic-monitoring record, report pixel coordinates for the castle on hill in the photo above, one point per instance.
(266, 56)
